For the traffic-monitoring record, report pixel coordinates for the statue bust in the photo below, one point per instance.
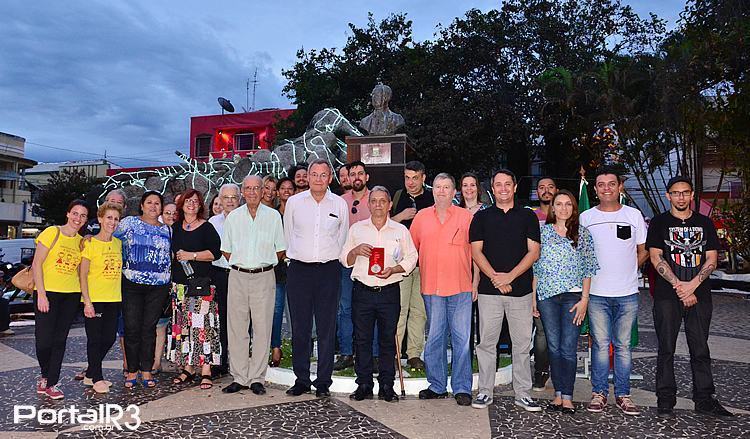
(382, 121)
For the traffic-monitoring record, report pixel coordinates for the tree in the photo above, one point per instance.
(63, 187)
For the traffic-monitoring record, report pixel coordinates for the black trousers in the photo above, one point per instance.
(101, 332)
(313, 292)
(142, 306)
(541, 359)
(221, 282)
(668, 316)
(368, 309)
(51, 332)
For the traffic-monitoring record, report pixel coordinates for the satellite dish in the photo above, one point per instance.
(226, 105)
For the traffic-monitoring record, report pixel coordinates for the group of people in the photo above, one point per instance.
(365, 270)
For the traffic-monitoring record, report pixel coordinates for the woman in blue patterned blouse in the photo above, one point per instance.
(562, 278)
(146, 276)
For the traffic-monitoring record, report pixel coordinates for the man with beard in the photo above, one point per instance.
(357, 201)
(344, 183)
(299, 175)
(545, 191)
(683, 247)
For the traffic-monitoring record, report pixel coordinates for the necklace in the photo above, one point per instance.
(188, 225)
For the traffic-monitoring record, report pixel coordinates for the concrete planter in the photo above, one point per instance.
(412, 386)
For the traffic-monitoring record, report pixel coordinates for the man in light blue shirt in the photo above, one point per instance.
(253, 243)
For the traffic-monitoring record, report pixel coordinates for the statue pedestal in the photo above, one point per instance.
(385, 157)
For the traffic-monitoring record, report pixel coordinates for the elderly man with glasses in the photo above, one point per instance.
(229, 194)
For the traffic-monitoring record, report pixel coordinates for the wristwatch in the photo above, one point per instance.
(195, 255)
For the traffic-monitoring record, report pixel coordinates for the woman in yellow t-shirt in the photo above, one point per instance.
(58, 294)
(101, 268)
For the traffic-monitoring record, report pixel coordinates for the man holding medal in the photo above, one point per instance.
(380, 252)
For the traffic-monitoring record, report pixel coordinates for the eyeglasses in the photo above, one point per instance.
(252, 188)
(194, 202)
(683, 194)
(230, 197)
(354, 207)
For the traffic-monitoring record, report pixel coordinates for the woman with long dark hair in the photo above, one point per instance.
(562, 278)
(57, 294)
(146, 275)
(193, 336)
(471, 193)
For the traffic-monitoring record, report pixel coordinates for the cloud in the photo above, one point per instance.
(116, 76)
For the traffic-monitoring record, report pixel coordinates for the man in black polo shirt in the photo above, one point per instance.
(683, 247)
(504, 244)
(413, 317)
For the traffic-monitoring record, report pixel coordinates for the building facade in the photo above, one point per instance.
(15, 197)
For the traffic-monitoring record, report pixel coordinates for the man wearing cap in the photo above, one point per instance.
(683, 247)
(380, 252)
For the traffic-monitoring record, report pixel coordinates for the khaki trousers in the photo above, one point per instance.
(250, 296)
(413, 316)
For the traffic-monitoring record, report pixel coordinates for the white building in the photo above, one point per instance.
(15, 198)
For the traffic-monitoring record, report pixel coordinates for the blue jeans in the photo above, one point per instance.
(562, 340)
(451, 313)
(344, 324)
(611, 320)
(278, 315)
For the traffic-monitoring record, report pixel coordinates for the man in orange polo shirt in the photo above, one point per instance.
(441, 235)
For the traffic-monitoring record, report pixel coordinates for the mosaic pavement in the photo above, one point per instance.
(275, 415)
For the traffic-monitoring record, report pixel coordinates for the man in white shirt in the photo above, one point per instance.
(620, 241)
(253, 243)
(316, 222)
(229, 194)
(376, 296)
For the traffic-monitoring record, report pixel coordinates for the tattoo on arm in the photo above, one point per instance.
(706, 272)
(664, 271)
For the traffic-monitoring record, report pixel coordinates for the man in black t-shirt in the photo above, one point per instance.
(413, 318)
(683, 247)
(505, 243)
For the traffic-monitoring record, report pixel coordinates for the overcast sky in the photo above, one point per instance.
(125, 77)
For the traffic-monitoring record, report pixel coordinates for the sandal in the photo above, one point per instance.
(206, 385)
(180, 380)
(129, 384)
(149, 384)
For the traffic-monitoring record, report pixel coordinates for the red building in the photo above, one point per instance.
(225, 135)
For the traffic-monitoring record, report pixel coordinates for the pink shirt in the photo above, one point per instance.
(444, 250)
(363, 207)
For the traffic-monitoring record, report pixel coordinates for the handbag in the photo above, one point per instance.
(197, 286)
(24, 279)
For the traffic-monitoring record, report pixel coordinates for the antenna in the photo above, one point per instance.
(255, 84)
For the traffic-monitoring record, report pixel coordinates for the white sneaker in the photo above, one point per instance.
(481, 401)
(528, 404)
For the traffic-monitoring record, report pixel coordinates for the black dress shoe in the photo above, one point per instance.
(234, 388)
(387, 394)
(463, 399)
(665, 412)
(322, 393)
(712, 407)
(258, 388)
(551, 408)
(361, 393)
(219, 371)
(297, 390)
(343, 362)
(429, 394)
(568, 410)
